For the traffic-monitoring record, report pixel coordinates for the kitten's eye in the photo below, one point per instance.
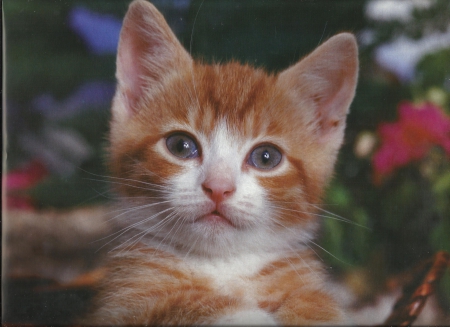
(182, 146)
(265, 157)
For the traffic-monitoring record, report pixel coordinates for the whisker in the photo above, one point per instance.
(315, 252)
(131, 185)
(330, 253)
(191, 247)
(169, 232)
(337, 216)
(139, 236)
(107, 179)
(98, 195)
(182, 222)
(190, 52)
(333, 216)
(193, 27)
(128, 210)
(126, 229)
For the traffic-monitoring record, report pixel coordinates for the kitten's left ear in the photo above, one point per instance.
(147, 55)
(324, 85)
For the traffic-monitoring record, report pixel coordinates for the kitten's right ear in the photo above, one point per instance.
(323, 85)
(148, 53)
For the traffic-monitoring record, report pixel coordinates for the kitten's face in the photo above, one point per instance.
(219, 159)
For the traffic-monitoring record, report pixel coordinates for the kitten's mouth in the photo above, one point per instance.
(215, 217)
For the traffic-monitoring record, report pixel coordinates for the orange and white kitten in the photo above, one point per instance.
(220, 169)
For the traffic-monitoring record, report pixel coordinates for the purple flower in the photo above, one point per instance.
(91, 95)
(99, 31)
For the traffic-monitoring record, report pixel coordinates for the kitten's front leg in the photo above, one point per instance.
(311, 307)
(247, 317)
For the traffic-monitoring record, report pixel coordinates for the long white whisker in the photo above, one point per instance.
(337, 216)
(334, 217)
(330, 253)
(158, 188)
(143, 233)
(144, 206)
(171, 229)
(182, 221)
(124, 212)
(315, 252)
(138, 237)
(190, 52)
(126, 229)
(107, 179)
(193, 27)
(191, 247)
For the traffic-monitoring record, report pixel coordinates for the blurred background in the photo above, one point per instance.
(393, 174)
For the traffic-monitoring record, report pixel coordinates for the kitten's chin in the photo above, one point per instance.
(214, 219)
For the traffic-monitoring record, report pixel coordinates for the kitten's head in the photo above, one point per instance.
(223, 158)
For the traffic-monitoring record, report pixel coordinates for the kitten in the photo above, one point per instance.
(220, 169)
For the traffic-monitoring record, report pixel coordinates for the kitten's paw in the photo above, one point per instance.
(255, 317)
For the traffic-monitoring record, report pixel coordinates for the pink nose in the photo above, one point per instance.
(218, 188)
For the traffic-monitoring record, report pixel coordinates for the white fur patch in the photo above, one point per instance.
(249, 317)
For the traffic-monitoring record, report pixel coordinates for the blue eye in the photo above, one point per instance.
(265, 157)
(182, 146)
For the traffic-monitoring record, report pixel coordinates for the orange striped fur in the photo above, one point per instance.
(221, 236)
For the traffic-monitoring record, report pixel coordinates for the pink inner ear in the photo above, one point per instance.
(129, 73)
(332, 108)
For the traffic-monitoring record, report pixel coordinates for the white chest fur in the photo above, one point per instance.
(235, 277)
(232, 276)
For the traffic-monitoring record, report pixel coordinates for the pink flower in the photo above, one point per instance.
(19, 180)
(411, 137)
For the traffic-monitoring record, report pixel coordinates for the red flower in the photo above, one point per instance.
(19, 180)
(411, 137)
